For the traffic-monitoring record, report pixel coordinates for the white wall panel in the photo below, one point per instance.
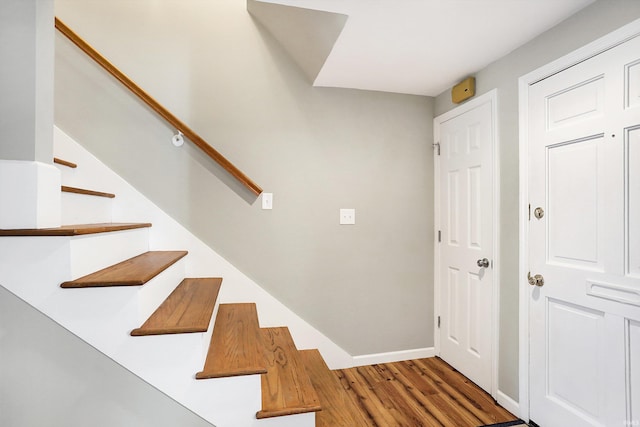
(575, 356)
(573, 200)
(632, 82)
(580, 102)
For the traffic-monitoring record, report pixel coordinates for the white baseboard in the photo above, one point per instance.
(393, 356)
(508, 403)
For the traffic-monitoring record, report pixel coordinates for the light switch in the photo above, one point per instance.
(347, 216)
(267, 200)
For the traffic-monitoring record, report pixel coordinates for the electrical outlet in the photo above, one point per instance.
(267, 200)
(347, 216)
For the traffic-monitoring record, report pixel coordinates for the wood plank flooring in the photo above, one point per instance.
(419, 393)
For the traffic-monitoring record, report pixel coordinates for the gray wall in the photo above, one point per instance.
(51, 378)
(589, 24)
(368, 287)
(26, 80)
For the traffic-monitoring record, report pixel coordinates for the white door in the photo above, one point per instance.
(584, 175)
(464, 220)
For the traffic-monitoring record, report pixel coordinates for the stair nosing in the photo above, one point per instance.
(88, 281)
(63, 162)
(74, 229)
(86, 192)
(288, 411)
(257, 370)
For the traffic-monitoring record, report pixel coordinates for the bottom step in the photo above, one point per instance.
(337, 407)
(286, 387)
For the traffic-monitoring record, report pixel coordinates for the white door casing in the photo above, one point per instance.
(581, 134)
(466, 200)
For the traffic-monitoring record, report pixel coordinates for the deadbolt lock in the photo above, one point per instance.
(538, 212)
(536, 280)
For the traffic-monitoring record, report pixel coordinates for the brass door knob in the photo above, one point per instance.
(536, 280)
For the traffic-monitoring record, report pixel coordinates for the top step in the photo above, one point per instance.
(64, 163)
(135, 271)
(75, 230)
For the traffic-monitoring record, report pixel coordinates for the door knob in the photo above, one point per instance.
(536, 280)
(483, 263)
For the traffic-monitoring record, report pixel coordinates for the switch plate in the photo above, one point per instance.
(347, 216)
(267, 200)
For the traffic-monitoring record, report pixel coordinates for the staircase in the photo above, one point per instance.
(101, 280)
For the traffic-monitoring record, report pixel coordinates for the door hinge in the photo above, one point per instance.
(439, 236)
(438, 322)
(437, 147)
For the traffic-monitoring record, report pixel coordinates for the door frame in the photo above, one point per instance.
(592, 49)
(489, 97)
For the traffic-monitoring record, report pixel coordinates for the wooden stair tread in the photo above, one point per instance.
(64, 163)
(187, 309)
(75, 230)
(76, 190)
(135, 271)
(235, 347)
(338, 409)
(286, 387)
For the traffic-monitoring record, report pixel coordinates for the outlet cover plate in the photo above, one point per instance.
(267, 200)
(347, 216)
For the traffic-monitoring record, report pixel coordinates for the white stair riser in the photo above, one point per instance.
(93, 252)
(232, 401)
(84, 209)
(69, 176)
(158, 289)
(45, 262)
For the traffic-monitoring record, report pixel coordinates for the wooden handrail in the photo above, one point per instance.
(158, 108)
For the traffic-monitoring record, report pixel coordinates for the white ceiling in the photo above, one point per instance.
(424, 47)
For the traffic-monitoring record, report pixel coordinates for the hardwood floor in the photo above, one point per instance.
(419, 393)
